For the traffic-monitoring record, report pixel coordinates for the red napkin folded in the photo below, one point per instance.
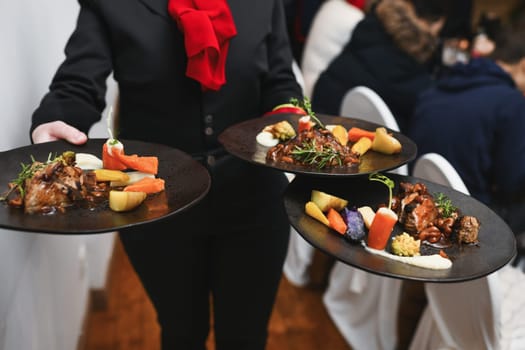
(360, 4)
(208, 27)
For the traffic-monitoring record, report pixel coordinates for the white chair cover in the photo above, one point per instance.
(362, 102)
(512, 284)
(461, 316)
(436, 168)
(364, 307)
(479, 314)
(331, 30)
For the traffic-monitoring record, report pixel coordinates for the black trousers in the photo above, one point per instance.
(222, 257)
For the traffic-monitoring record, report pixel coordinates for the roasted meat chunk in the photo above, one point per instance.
(53, 186)
(467, 228)
(432, 221)
(416, 207)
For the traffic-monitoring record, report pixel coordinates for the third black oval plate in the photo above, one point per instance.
(495, 249)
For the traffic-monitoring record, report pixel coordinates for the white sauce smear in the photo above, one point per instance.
(266, 139)
(434, 261)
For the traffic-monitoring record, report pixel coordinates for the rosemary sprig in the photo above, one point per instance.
(27, 172)
(445, 205)
(307, 106)
(309, 153)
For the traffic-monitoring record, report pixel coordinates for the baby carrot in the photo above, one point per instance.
(381, 228)
(110, 161)
(148, 185)
(336, 221)
(145, 164)
(355, 133)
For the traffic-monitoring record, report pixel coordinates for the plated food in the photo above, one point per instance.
(65, 181)
(494, 248)
(186, 182)
(241, 140)
(423, 219)
(320, 146)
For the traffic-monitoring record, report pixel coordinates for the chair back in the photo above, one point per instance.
(362, 102)
(331, 30)
(436, 168)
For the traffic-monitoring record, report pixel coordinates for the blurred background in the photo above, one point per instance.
(57, 292)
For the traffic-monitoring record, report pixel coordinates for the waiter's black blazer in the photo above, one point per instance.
(141, 44)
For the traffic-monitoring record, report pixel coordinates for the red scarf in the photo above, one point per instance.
(208, 27)
(360, 4)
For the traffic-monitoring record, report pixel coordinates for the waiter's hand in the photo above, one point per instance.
(58, 130)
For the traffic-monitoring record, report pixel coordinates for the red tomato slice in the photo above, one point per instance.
(305, 123)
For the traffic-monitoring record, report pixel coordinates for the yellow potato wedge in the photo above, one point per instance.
(362, 146)
(125, 201)
(368, 215)
(111, 175)
(385, 143)
(326, 201)
(340, 134)
(133, 176)
(313, 210)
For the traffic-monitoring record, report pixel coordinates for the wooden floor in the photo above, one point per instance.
(127, 322)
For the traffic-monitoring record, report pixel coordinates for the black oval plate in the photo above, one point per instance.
(186, 182)
(240, 140)
(497, 245)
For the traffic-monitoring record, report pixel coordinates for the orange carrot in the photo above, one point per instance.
(148, 185)
(355, 133)
(145, 164)
(111, 161)
(336, 221)
(381, 228)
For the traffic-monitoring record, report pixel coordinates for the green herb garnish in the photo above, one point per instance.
(307, 106)
(444, 204)
(309, 153)
(385, 180)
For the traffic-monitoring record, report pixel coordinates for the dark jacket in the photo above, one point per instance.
(141, 44)
(475, 118)
(387, 53)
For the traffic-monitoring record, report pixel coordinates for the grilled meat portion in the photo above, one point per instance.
(53, 187)
(416, 207)
(316, 147)
(420, 216)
